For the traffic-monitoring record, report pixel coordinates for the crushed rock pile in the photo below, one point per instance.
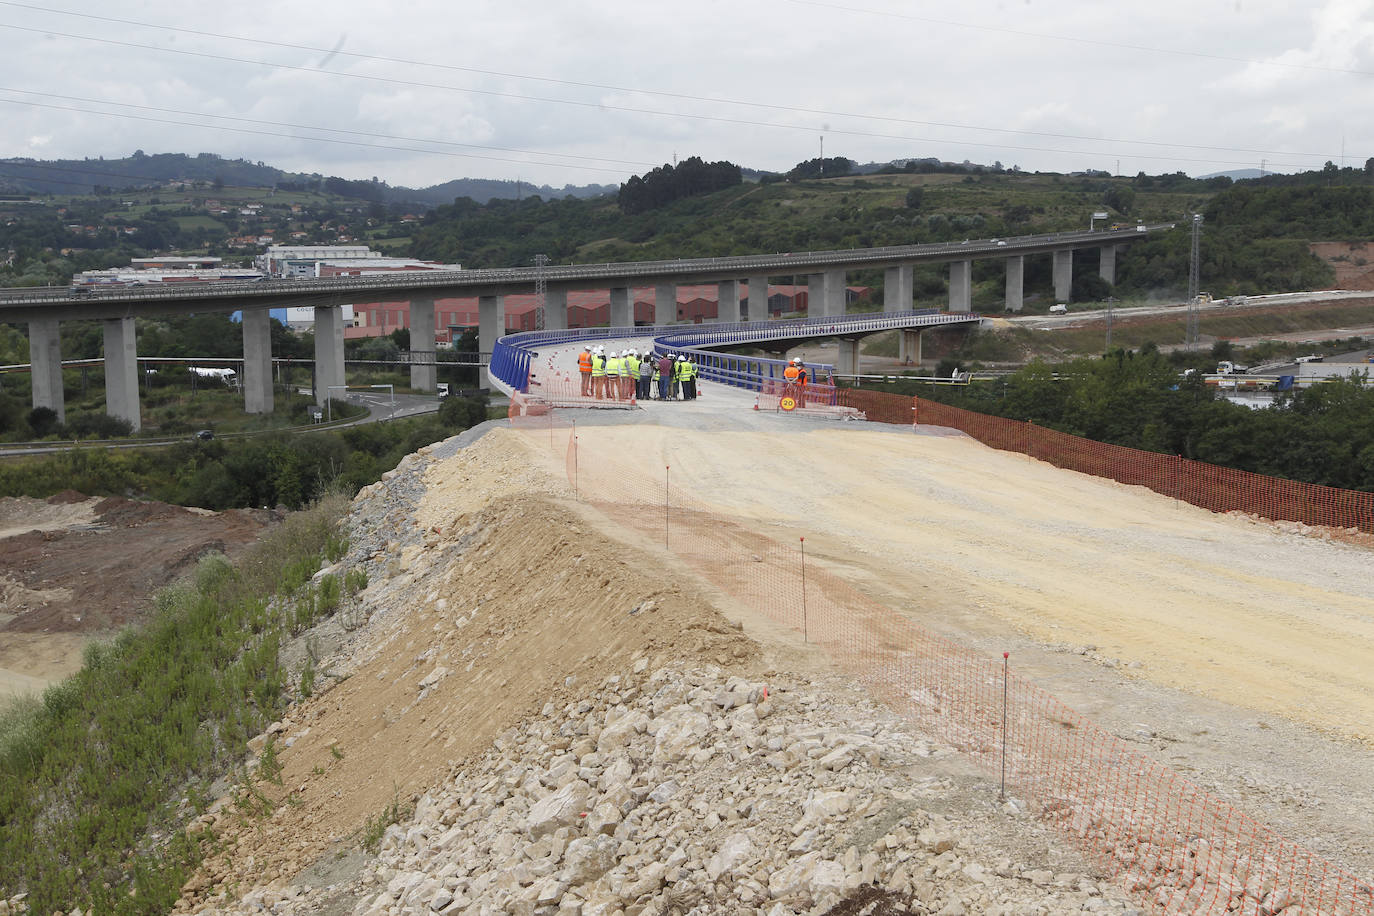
(698, 792)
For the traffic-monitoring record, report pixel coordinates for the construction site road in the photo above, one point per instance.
(1234, 648)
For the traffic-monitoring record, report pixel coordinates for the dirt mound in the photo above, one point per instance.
(465, 643)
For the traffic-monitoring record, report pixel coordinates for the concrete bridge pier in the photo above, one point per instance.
(961, 286)
(835, 293)
(727, 301)
(622, 309)
(847, 362)
(909, 347)
(1106, 268)
(758, 299)
(1016, 283)
(329, 353)
(1063, 275)
(491, 325)
(897, 288)
(121, 371)
(423, 372)
(665, 303)
(45, 360)
(556, 308)
(257, 361)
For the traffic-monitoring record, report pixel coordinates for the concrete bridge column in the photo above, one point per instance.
(45, 360)
(897, 288)
(961, 286)
(1016, 282)
(423, 372)
(491, 326)
(329, 353)
(758, 299)
(1106, 268)
(665, 303)
(727, 301)
(257, 361)
(834, 294)
(556, 308)
(1063, 275)
(909, 347)
(815, 295)
(622, 309)
(121, 371)
(847, 362)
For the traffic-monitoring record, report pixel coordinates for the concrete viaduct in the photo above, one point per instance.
(44, 309)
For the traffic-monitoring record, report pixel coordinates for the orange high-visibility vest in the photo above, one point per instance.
(584, 362)
(791, 373)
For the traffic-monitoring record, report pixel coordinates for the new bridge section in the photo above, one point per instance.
(514, 355)
(44, 309)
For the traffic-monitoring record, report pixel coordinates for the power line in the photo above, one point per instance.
(770, 106)
(636, 90)
(604, 106)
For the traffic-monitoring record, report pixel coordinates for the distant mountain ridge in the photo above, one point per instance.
(83, 176)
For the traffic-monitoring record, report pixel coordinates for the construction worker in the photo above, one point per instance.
(802, 376)
(690, 383)
(680, 372)
(646, 375)
(584, 368)
(789, 379)
(599, 372)
(631, 378)
(613, 375)
(665, 375)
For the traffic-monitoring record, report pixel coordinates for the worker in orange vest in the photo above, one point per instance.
(802, 377)
(584, 367)
(789, 379)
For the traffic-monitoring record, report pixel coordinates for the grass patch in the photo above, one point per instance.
(375, 828)
(97, 776)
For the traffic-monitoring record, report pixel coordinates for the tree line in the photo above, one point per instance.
(1322, 435)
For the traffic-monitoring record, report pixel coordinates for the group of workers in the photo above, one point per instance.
(625, 375)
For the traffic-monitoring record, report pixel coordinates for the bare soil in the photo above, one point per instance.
(72, 569)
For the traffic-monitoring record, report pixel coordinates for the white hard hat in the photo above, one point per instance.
(682, 359)
(796, 359)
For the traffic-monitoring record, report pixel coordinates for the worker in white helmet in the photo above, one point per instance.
(613, 375)
(665, 375)
(599, 373)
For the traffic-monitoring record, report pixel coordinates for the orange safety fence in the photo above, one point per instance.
(1207, 486)
(1175, 847)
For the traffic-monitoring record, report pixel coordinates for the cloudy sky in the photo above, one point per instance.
(595, 91)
